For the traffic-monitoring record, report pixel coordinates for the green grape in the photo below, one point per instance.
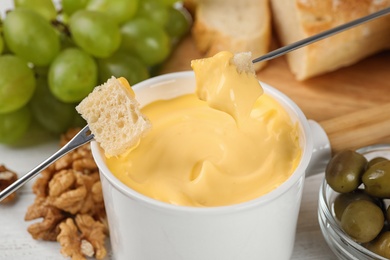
(118, 10)
(153, 10)
(51, 113)
(169, 2)
(6, 50)
(145, 39)
(178, 24)
(45, 8)
(66, 41)
(17, 83)
(36, 134)
(124, 65)
(71, 6)
(30, 36)
(1, 44)
(95, 33)
(14, 125)
(72, 75)
(41, 72)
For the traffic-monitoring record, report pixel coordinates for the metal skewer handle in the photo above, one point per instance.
(79, 139)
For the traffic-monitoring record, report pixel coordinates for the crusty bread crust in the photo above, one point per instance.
(298, 19)
(235, 26)
(114, 117)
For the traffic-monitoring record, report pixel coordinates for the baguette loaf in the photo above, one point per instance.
(114, 116)
(298, 19)
(235, 26)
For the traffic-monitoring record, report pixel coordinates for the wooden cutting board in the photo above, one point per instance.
(359, 94)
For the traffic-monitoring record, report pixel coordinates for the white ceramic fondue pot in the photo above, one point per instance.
(142, 228)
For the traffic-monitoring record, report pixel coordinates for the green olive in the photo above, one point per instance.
(344, 199)
(381, 245)
(362, 220)
(343, 172)
(377, 179)
(375, 160)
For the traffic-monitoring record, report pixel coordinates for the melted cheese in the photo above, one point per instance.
(228, 145)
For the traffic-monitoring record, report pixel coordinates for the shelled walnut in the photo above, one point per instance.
(7, 177)
(70, 202)
(48, 229)
(82, 236)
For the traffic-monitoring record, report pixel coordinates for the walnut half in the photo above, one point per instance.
(7, 177)
(82, 236)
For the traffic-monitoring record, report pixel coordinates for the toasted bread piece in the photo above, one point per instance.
(298, 19)
(231, 25)
(114, 116)
(243, 62)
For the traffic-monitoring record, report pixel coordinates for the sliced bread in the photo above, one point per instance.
(114, 117)
(235, 26)
(298, 19)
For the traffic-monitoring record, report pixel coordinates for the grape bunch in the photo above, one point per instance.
(53, 54)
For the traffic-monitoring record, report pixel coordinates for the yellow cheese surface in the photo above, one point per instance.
(227, 144)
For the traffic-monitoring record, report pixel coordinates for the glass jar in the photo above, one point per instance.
(340, 243)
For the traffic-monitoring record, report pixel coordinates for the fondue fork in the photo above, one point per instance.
(296, 45)
(82, 137)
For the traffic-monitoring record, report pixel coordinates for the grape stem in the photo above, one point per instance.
(61, 27)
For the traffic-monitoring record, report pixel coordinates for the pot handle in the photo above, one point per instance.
(321, 150)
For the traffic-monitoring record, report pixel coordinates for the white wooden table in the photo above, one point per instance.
(16, 243)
